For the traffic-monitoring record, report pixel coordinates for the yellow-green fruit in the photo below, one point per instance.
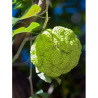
(56, 51)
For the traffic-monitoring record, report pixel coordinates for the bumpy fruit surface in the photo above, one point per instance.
(56, 51)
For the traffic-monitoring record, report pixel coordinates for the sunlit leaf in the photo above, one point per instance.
(13, 39)
(34, 10)
(32, 26)
(14, 2)
(14, 20)
(31, 12)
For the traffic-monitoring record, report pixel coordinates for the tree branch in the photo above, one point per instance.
(21, 46)
(40, 3)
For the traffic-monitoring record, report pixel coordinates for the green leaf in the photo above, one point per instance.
(19, 5)
(33, 11)
(26, 8)
(34, 96)
(45, 77)
(39, 92)
(44, 95)
(58, 80)
(14, 20)
(32, 26)
(14, 2)
(13, 38)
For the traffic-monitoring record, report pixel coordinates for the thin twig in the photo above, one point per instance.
(22, 63)
(42, 12)
(30, 77)
(32, 2)
(21, 46)
(19, 50)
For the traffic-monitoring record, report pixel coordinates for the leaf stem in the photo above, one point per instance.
(32, 2)
(46, 20)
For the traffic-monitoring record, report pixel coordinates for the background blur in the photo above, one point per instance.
(66, 13)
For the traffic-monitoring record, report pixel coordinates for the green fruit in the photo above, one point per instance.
(56, 51)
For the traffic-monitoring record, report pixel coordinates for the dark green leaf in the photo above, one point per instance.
(40, 93)
(26, 8)
(44, 95)
(19, 5)
(58, 80)
(34, 96)
(45, 77)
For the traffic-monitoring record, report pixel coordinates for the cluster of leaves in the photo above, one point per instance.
(22, 4)
(33, 11)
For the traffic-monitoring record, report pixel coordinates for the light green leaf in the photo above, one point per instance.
(39, 92)
(14, 20)
(45, 77)
(32, 26)
(13, 38)
(14, 2)
(33, 11)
